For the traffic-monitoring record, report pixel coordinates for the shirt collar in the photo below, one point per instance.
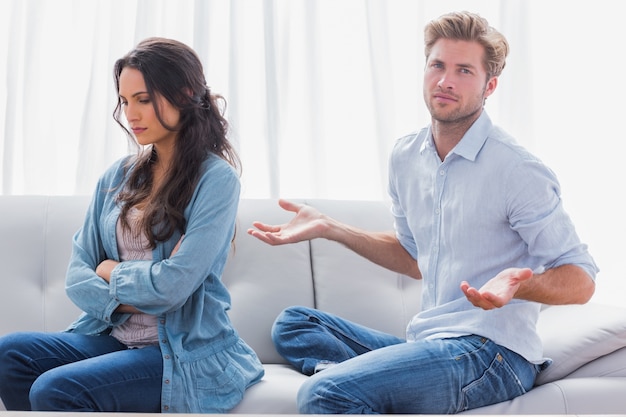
(471, 143)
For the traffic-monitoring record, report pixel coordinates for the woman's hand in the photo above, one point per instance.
(177, 246)
(104, 269)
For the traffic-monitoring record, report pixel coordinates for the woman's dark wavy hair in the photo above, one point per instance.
(173, 71)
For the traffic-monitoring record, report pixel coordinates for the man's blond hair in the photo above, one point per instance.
(466, 26)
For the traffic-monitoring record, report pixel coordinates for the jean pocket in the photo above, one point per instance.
(498, 383)
(217, 389)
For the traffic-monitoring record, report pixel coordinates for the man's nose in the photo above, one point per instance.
(446, 81)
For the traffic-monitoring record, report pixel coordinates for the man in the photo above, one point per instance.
(480, 221)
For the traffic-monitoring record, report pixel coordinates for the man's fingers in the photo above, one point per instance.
(266, 227)
(269, 237)
(486, 301)
(524, 274)
(289, 206)
(262, 236)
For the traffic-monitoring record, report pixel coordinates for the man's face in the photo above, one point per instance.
(455, 80)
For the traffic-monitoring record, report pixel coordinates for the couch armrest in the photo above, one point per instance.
(574, 335)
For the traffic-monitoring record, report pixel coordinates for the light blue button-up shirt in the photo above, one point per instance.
(184, 291)
(490, 205)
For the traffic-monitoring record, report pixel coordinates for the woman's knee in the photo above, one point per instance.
(13, 341)
(7, 350)
(58, 390)
(12, 351)
(46, 393)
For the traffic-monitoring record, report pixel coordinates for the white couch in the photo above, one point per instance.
(586, 342)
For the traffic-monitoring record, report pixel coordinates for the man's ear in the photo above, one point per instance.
(490, 87)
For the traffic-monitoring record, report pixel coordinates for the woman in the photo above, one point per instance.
(146, 265)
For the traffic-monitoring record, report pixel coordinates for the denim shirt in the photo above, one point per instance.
(488, 206)
(184, 291)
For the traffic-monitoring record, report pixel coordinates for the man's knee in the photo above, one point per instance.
(311, 395)
(287, 318)
(323, 395)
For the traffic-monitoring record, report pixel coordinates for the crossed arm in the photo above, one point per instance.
(567, 284)
(104, 269)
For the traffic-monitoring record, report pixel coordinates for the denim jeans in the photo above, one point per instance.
(377, 373)
(73, 372)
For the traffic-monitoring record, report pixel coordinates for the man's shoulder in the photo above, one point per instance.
(411, 140)
(506, 146)
(416, 135)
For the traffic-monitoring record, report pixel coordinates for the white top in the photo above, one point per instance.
(139, 330)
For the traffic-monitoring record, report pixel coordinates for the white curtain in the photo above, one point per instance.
(317, 91)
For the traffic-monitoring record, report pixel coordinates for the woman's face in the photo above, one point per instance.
(138, 108)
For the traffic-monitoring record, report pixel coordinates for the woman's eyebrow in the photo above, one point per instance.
(134, 94)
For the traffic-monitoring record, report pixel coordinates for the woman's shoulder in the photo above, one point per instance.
(115, 173)
(218, 177)
(214, 165)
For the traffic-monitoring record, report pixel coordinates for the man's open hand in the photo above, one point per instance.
(307, 224)
(499, 290)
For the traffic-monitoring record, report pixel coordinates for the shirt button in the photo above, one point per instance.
(167, 381)
(442, 172)
(166, 407)
(166, 356)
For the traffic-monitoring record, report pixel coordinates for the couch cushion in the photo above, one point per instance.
(264, 279)
(34, 252)
(574, 335)
(274, 394)
(567, 396)
(354, 288)
(611, 365)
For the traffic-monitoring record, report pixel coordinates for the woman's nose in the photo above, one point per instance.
(130, 112)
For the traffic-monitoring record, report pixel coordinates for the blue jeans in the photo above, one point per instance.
(73, 372)
(377, 373)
